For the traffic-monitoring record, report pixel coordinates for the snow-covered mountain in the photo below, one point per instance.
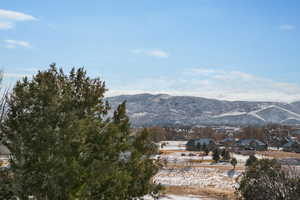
(162, 109)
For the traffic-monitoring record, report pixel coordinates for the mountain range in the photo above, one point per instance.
(166, 110)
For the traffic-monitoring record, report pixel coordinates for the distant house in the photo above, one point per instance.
(251, 144)
(190, 145)
(199, 144)
(4, 152)
(292, 146)
(295, 132)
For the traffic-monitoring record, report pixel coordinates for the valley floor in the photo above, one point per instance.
(187, 173)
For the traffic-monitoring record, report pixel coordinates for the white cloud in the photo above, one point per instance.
(16, 43)
(212, 83)
(6, 25)
(154, 53)
(15, 75)
(287, 27)
(30, 69)
(158, 53)
(8, 18)
(15, 16)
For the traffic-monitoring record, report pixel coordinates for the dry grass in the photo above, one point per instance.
(166, 152)
(220, 194)
(279, 154)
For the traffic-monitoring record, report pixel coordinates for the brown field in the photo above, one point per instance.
(279, 154)
(208, 192)
(166, 152)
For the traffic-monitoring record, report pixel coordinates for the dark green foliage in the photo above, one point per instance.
(205, 149)
(198, 147)
(216, 155)
(65, 147)
(233, 162)
(225, 154)
(252, 159)
(267, 179)
(6, 187)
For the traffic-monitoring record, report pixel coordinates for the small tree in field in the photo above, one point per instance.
(252, 159)
(216, 155)
(233, 162)
(64, 146)
(225, 154)
(198, 147)
(205, 149)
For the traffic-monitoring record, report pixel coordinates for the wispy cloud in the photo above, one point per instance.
(287, 27)
(213, 83)
(15, 16)
(154, 53)
(157, 53)
(6, 25)
(8, 18)
(15, 75)
(16, 43)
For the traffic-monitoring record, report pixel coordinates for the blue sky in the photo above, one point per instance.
(225, 49)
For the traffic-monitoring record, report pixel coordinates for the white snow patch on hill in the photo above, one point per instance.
(141, 114)
(234, 113)
(254, 114)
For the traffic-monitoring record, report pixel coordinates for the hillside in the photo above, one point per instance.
(162, 109)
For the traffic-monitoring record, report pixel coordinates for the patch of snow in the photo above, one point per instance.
(280, 108)
(254, 114)
(243, 158)
(275, 148)
(182, 157)
(292, 113)
(141, 114)
(234, 113)
(174, 110)
(172, 145)
(197, 176)
(290, 118)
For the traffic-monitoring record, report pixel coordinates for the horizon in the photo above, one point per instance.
(159, 94)
(245, 51)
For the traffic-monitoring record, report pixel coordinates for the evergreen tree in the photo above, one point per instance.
(233, 162)
(252, 159)
(64, 146)
(205, 149)
(266, 179)
(198, 146)
(225, 154)
(216, 154)
(6, 189)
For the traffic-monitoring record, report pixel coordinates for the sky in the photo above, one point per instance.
(223, 49)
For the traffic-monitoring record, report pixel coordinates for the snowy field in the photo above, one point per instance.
(180, 157)
(172, 145)
(197, 176)
(192, 169)
(4, 162)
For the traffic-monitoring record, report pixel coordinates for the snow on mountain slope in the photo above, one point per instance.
(230, 114)
(162, 109)
(275, 114)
